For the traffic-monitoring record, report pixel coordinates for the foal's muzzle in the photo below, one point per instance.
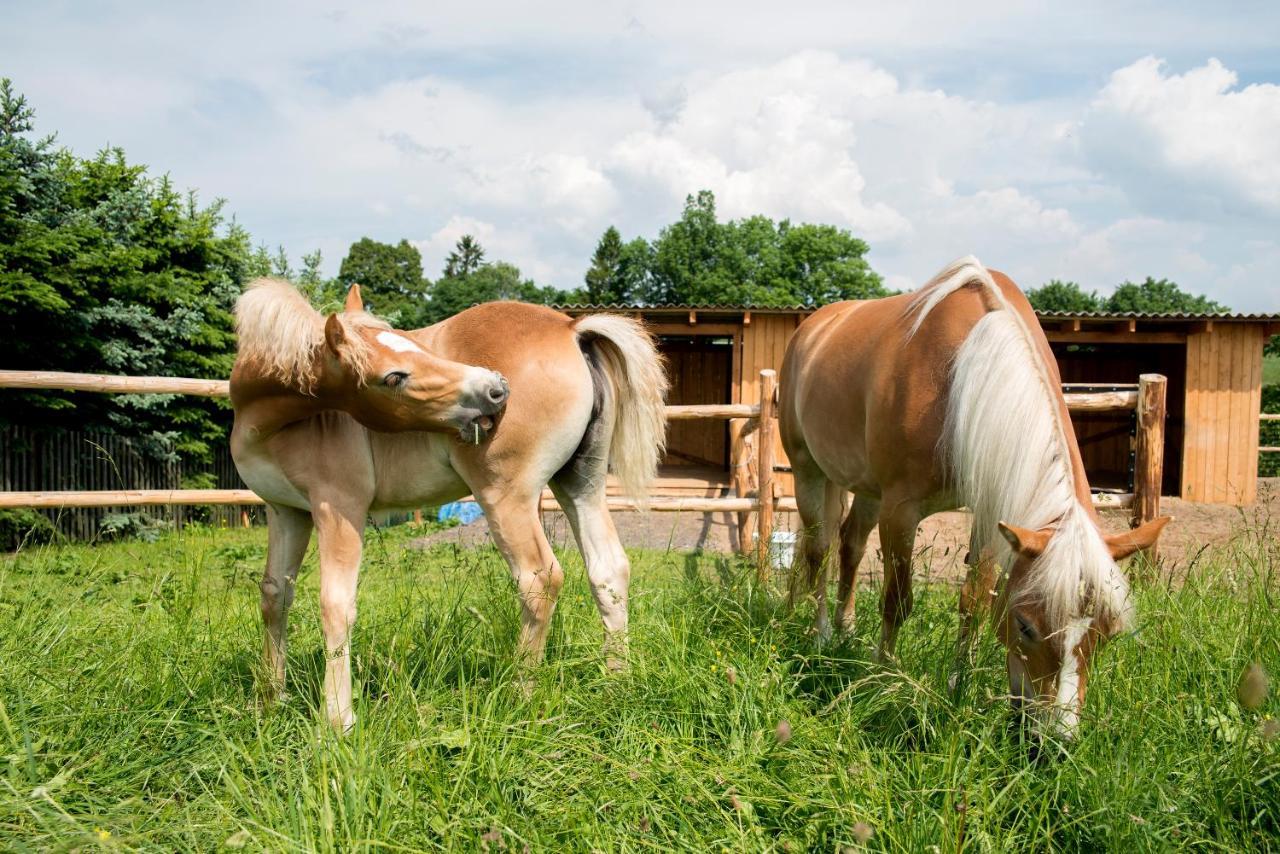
(485, 398)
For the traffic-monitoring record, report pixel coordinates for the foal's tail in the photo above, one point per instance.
(626, 354)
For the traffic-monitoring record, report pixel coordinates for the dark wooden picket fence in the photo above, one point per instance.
(70, 460)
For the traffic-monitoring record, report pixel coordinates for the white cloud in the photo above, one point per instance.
(1194, 143)
(931, 132)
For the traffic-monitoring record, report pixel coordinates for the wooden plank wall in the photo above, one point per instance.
(699, 373)
(1224, 397)
(764, 341)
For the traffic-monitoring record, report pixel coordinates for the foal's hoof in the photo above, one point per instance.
(342, 723)
(614, 664)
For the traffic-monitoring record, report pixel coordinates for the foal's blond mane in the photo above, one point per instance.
(282, 334)
(1010, 458)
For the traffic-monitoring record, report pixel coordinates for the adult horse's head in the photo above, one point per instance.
(1063, 597)
(359, 364)
(389, 382)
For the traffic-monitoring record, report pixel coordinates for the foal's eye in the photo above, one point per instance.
(1027, 630)
(395, 378)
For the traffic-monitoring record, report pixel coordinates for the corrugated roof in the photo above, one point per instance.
(1043, 315)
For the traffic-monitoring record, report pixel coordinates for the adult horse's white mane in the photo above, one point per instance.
(280, 331)
(1006, 444)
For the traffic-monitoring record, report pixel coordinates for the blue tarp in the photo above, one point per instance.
(465, 512)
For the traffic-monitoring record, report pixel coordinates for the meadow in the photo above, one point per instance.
(130, 717)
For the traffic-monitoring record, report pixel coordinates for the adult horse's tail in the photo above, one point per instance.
(625, 353)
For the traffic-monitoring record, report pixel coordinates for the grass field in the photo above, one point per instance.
(129, 716)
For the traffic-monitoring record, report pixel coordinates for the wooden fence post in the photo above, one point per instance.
(744, 478)
(1148, 449)
(764, 474)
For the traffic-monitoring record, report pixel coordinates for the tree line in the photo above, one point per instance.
(107, 269)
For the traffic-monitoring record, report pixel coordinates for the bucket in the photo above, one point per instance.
(782, 549)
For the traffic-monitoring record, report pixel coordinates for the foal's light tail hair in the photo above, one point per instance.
(638, 385)
(1007, 445)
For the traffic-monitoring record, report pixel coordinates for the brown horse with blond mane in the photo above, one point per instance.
(338, 417)
(943, 398)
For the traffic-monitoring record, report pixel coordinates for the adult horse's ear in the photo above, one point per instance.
(1024, 541)
(1142, 537)
(354, 302)
(335, 337)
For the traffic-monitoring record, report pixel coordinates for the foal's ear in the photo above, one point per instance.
(354, 302)
(334, 335)
(1143, 537)
(1024, 541)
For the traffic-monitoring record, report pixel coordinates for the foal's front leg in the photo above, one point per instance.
(340, 531)
(288, 532)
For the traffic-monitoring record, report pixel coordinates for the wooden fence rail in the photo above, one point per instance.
(1146, 398)
(1262, 419)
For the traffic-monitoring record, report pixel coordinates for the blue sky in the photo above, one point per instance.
(1092, 141)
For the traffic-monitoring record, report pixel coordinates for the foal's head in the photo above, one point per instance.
(1063, 598)
(390, 383)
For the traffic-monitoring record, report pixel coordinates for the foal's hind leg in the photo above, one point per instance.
(517, 531)
(608, 569)
(853, 545)
(288, 532)
(898, 520)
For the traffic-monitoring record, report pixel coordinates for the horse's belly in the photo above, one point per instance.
(261, 474)
(414, 470)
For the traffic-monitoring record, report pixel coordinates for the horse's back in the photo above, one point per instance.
(864, 398)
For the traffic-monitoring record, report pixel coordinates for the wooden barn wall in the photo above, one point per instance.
(1224, 396)
(764, 341)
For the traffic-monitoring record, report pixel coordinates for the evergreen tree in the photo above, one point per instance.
(465, 259)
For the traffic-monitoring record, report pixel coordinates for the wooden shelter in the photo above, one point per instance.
(1213, 364)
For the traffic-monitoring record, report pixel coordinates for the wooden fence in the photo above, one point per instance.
(758, 494)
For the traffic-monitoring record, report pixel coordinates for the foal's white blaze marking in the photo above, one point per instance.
(398, 343)
(1067, 708)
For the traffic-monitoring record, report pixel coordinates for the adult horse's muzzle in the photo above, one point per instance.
(483, 402)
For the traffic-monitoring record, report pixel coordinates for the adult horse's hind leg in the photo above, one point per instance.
(853, 545)
(898, 521)
(821, 504)
(608, 569)
(340, 531)
(517, 531)
(288, 532)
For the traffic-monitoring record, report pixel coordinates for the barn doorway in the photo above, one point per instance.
(700, 370)
(1105, 437)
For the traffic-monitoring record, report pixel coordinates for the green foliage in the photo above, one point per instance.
(488, 282)
(129, 686)
(699, 260)
(1059, 297)
(390, 279)
(21, 528)
(1159, 296)
(466, 258)
(106, 270)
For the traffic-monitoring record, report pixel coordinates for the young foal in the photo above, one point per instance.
(946, 397)
(338, 417)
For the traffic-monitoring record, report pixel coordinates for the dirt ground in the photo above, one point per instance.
(940, 544)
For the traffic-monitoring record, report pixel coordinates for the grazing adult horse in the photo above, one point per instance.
(943, 398)
(338, 417)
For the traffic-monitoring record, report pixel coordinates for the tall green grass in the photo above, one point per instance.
(129, 716)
